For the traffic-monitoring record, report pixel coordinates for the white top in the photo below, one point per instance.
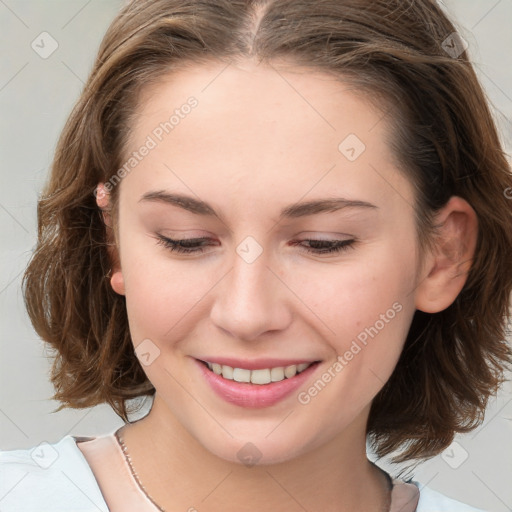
(58, 478)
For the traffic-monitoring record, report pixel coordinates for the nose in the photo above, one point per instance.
(251, 300)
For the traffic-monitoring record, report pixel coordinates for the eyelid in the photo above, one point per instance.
(193, 246)
(176, 245)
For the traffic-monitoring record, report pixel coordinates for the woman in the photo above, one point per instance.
(285, 221)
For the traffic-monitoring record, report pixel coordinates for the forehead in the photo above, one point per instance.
(255, 127)
(283, 99)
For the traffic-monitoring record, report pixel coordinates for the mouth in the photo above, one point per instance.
(257, 376)
(254, 383)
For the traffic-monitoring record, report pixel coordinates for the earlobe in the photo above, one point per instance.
(117, 282)
(447, 266)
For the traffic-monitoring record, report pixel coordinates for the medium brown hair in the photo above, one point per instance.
(443, 138)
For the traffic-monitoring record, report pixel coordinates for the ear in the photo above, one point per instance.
(117, 282)
(447, 265)
(103, 202)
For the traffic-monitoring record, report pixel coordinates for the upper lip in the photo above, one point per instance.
(255, 364)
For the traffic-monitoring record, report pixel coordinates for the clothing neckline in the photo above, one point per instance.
(106, 458)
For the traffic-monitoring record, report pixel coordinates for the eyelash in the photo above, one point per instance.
(336, 246)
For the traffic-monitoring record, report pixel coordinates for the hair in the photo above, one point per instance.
(442, 136)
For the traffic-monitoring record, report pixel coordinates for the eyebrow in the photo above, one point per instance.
(295, 210)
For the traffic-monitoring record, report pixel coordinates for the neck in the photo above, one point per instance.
(180, 474)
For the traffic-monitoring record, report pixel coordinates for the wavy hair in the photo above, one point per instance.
(443, 137)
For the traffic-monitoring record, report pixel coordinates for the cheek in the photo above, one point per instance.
(366, 307)
(369, 308)
(163, 297)
(358, 290)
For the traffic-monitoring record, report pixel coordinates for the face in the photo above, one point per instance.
(304, 251)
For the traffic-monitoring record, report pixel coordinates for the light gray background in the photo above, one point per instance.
(36, 96)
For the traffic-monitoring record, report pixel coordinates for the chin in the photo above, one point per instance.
(256, 450)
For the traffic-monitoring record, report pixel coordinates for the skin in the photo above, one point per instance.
(262, 138)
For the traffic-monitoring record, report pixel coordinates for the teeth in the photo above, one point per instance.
(227, 372)
(277, 374)
(241, 375)
(290, 371)
(263, 376)
(260, 376)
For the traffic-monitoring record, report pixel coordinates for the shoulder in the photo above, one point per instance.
(48, 477)
(433, 501)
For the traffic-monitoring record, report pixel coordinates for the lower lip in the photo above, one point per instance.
(254, 396)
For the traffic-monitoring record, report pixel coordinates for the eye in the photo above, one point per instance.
(197, 245)
(186, 245)
(325, 246)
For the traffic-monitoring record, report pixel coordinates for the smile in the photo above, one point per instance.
(259, 376)
(255, 383)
